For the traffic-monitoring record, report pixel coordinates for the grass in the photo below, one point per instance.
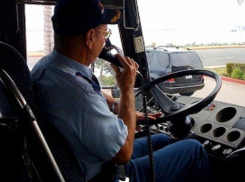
(222, 71)
(236, 73)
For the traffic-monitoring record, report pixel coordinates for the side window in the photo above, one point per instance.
(149, 57)
(102, 68)
(153, 63)
(195, 60)
(39, 32)
(158, 61)
(159, 64)
(40, 41)
(163, 59)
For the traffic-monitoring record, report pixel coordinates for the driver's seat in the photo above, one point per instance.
(43, 153)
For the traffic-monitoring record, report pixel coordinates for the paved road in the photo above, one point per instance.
(230, 92)
(219, 57)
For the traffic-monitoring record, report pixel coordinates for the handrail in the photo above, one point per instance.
(11, 86)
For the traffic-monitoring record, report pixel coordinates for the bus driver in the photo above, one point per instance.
(70, 98)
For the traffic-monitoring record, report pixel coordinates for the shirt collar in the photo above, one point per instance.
(65, 62)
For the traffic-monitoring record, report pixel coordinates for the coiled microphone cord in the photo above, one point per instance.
(148, 137)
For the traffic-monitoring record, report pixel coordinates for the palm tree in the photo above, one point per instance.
(48, 32)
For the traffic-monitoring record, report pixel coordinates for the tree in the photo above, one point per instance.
(48, 31)
(103, 66)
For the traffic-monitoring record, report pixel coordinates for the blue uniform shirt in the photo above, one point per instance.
(79, 112)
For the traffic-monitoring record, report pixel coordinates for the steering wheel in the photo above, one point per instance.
(174, 111)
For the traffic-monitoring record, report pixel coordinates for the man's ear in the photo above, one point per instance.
(89, 38)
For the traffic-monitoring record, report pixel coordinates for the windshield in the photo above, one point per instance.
(214, 29)
(192, 22)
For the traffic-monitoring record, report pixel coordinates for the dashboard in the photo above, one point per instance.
(220, 127)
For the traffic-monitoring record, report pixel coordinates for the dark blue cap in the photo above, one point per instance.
(74, 17)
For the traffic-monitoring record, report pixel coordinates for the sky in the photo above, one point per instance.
(188, 14)
(191, 21)
(169, 21)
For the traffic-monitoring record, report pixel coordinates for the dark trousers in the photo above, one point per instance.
(181, 161)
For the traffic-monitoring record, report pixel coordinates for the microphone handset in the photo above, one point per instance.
(106, 55)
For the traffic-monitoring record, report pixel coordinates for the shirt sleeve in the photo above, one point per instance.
(83, 116)
(101, 132)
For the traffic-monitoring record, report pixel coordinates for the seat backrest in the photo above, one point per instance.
(62, 153)
(11, 140)
(15, 66)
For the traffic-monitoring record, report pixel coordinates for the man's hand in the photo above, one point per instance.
(141, 116)
(126, 78)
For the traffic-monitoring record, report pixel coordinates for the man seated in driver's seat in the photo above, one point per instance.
(68, 95)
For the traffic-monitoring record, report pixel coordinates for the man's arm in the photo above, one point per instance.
(126, 81)
(111, 101)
